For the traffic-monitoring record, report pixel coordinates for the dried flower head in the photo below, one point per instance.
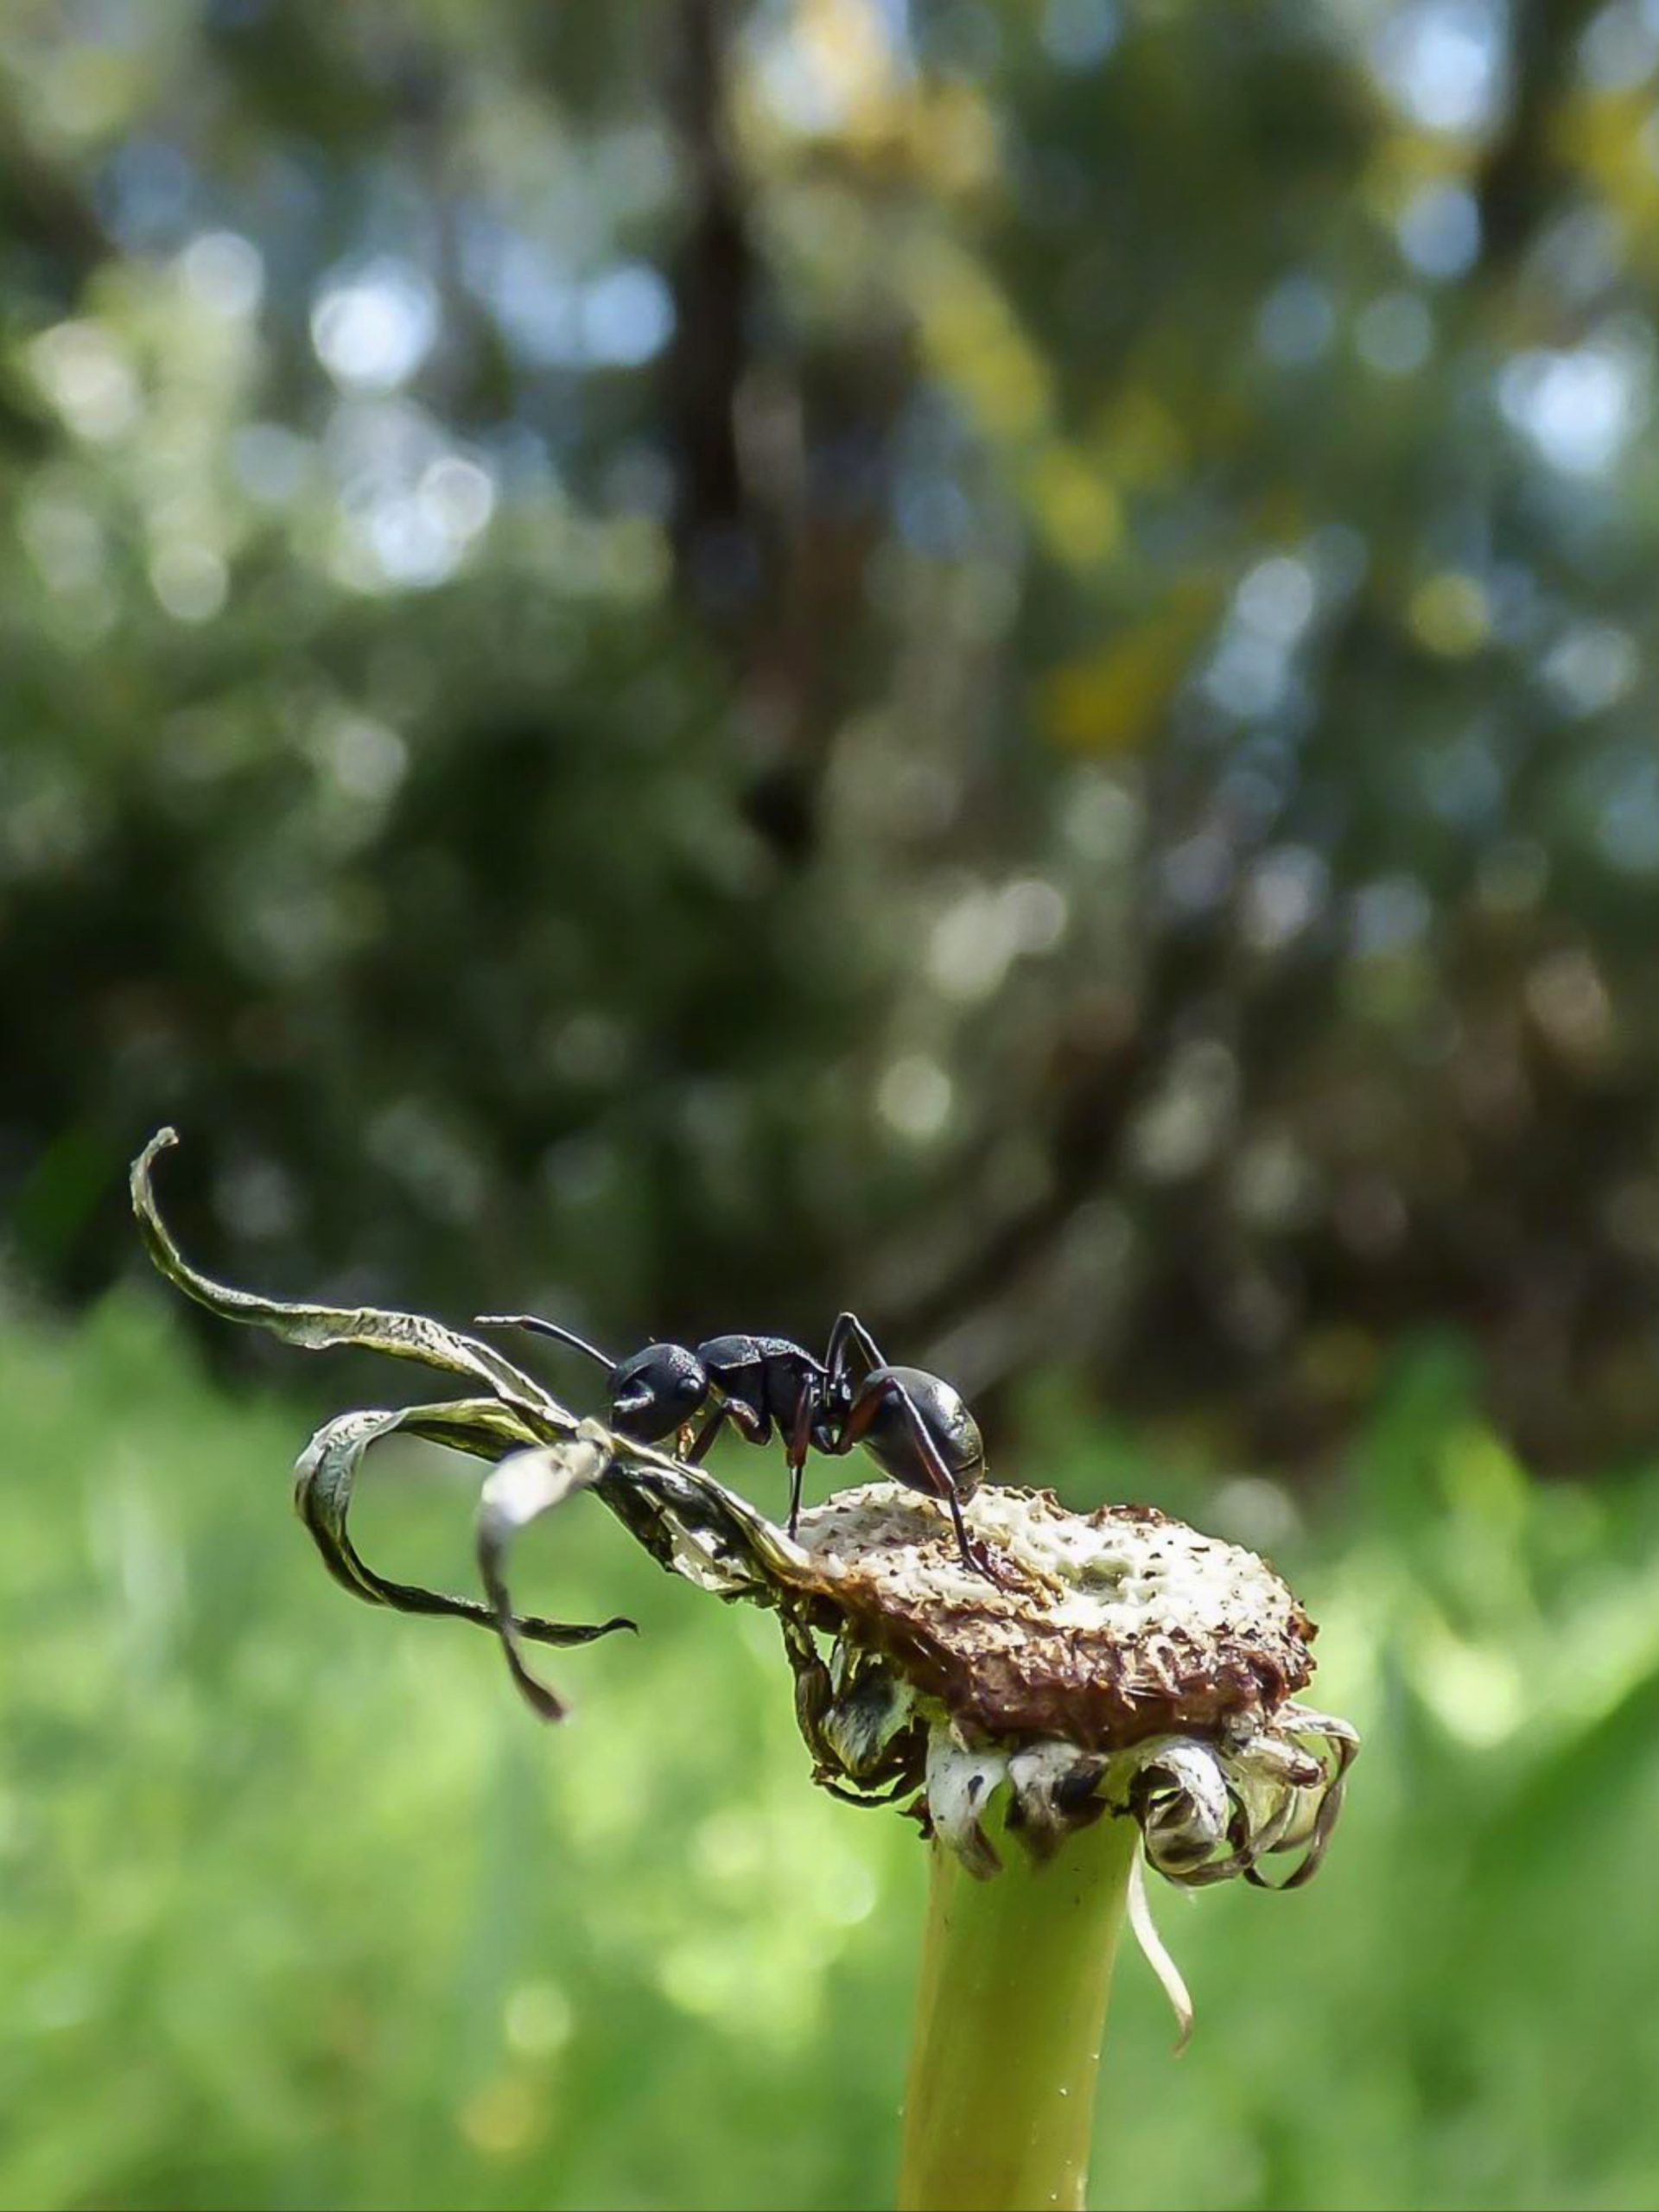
(1122, 1663)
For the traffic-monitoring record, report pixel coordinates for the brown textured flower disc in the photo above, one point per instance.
(1113, 1626)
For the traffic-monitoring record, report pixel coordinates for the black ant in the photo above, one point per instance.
(914, 1425)
(755, 1382)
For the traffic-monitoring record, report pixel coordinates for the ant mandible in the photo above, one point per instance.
(915, 1426)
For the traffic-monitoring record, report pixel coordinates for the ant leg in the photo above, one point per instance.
(974, 1553)
(861, 1417)
(800, 1436)
(852, 1355)
(698, 1451)
(726, 1409)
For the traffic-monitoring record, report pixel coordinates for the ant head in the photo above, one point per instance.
(657, 1389)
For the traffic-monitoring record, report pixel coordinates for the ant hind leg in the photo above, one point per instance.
(852, 1354)
(941, 1483)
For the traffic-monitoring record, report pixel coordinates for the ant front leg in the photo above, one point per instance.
(742, 1419)
(866, 1409)
(696, 1451)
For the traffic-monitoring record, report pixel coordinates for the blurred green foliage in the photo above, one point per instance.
(298, 1906)
(996, 662)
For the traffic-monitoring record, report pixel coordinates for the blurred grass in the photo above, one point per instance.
(299, 1907)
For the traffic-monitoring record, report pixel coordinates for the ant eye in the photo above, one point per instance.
(689, 1388)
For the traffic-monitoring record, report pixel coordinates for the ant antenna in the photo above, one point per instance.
(542, 1328)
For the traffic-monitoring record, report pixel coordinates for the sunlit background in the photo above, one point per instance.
(695, 663)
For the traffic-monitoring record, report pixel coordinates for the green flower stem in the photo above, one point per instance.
(1015, 1975)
